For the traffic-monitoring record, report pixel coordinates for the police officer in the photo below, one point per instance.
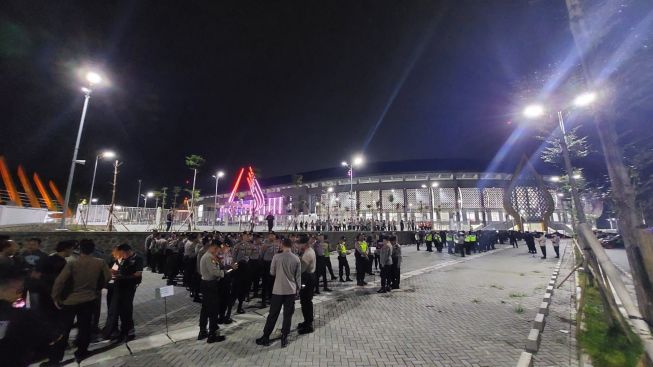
(450, 242)
(308, 266)
(460, 243)
(429, 241)
(360, 253)
(212, 272)
(385, 260)
(269, 249)
(241, 281)
(254, 264)
(327, 259)
(318, 247)
(396, 263)
(437, 240)
(342, 260)
(225, 285)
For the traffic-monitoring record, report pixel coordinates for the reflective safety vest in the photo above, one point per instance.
(437, 238)
(363, 246)
(468, 238)
(342, 249)
(472, 238)
(449, 238)
(326, 251)
(429, 238)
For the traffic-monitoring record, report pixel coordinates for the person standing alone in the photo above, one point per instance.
(286, 270)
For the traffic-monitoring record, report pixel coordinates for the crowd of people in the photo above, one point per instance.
(42, 296)
(220, 271)
(223, 271)
(356, 225)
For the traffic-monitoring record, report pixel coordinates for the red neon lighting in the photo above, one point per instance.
(233, 191)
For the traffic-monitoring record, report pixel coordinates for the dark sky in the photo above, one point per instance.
(284, 86)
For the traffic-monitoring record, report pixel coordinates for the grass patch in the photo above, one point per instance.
(606, 344)
(496, 286)
(517, 295)
(519, 309)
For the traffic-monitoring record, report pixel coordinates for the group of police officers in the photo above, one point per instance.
(457, 242)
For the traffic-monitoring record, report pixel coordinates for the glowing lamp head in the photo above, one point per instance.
(108, 154)
(555, 179)
(577, 176)
(330, 189)
(150, 194)
(434, 184)
(423, 186)
(585, 99)
(358, 160)
(220, 174)
(344, 164)
(93, 78)
(534, 111)
(94, 200)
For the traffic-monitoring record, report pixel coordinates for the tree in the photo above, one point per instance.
(552, 153)
(164, 196)
(194, 162)
(175, 191)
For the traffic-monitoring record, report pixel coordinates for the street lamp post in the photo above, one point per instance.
(356, 161)
(534, 111)
(92, 78)
(107, 154)
(217, 177)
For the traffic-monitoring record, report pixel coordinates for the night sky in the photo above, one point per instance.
(284, 86)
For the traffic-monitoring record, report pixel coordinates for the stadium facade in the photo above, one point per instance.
(450, 194)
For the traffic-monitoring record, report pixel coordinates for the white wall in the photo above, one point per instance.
(20, 215)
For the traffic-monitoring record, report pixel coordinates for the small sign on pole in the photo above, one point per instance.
(164, 292)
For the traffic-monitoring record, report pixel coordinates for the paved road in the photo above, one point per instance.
(449, 312)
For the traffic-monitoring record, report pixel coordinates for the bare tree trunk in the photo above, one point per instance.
(622, 189)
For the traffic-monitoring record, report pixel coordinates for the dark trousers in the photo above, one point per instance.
(210, 305)
(226, 299)
(461, 248)
(270, 225)
(361, 267)
(126, 309)
(543, 249)
(513, 242)
(429, 246)
(376, 261)
(160, 259)
(385, 276)
(189, 270)
(557, 250)
(288, 303)
(148, 259)
(395, 271)
(171, 267)
(241, 283)
(83, 312)
(327, 262)
(168, 225)
(268, 281)
(343, 263)
(306, 297)
(320, 271)
(254, 270)
(438, 246)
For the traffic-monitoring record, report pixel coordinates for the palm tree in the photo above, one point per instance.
(175, 190)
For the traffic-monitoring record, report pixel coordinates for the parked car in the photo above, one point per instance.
(614, 241)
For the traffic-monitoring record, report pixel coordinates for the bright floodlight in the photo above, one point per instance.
(94, 200)
(423, 186)
(108, 154)
(434, 184)
(93, 77)
(150, 194)
(555, 178)
(220, 174)
(576, 176)
(560, 194)
(330, 189)
(358, 160)
(533, 111)
(344, 164)
(585, 99)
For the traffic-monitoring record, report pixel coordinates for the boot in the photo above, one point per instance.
(215, 338)
(284, 341)
(264, 340)
(202, 335)
(348, 279)
(342, 280)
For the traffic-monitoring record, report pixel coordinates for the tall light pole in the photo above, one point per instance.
(106, 154)
(356, 161)
(93, 79)
(329, 191)
(217, 177)
(534, 111)
(148, 195)
(138, 198)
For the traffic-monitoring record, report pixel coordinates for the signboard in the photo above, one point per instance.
(164, 292)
